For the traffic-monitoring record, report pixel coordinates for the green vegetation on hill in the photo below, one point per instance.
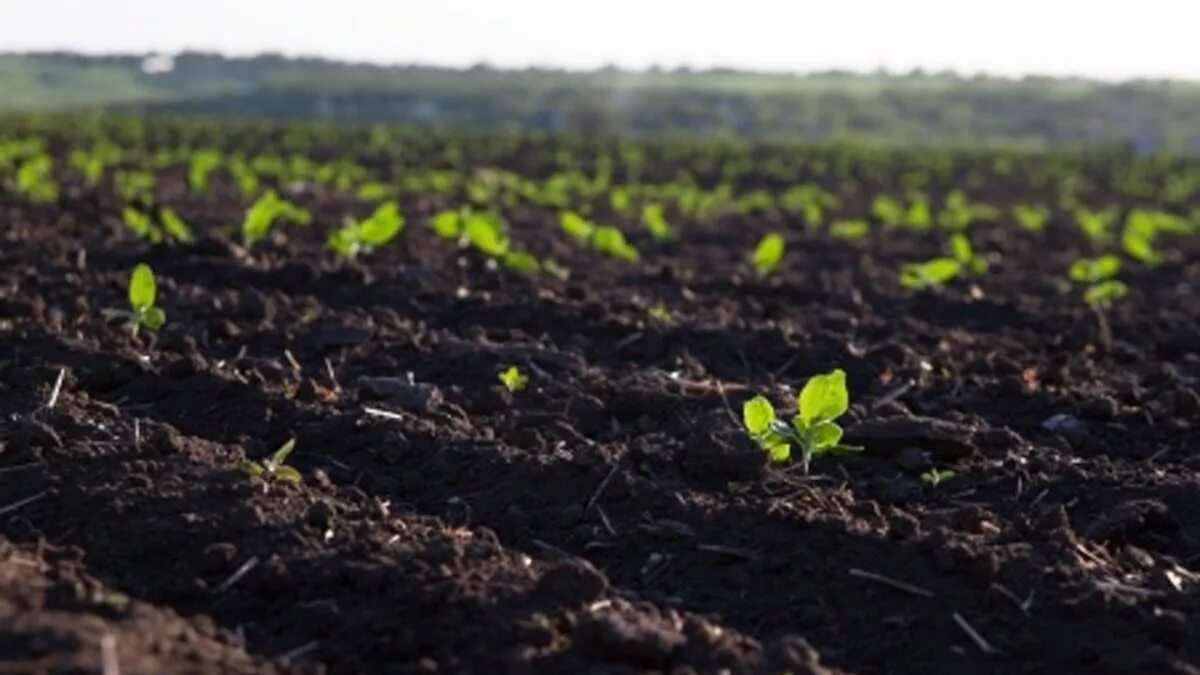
(902, 109)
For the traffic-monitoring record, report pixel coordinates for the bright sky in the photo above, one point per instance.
(1098, 38)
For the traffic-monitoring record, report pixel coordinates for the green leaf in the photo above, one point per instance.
(514, 380)
(382, 226)
(576, 226)
(253, 468)
(824, 398)
(779, 453)
(768, 254)
(1105, 293)
(142, 288)
(757, 415)
(960, 248)
(447, 225)
(287, 474)
(281, 455)
(151, 317)
(520, 261)
(824, 435)
(175, 226)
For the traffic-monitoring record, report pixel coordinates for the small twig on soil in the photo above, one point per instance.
(607, 523)
(787, 365)
(237, 576)
(287, 354)
(1020, 604)
(984, 646)
(600, 488)
(5, 510)
(1038, 500)
(744, 554)
(306, 648)
(58, 383)
(728, 408)
(385, 414)
(137, 434)
(332, 376)
(549, 547)
(18, 467)
(108, 655)
(888, 581)
(892, 394)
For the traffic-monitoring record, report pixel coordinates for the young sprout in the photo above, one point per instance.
(611, 242)
(265, 211)
(1031, 218)
(933, 273)
(143, 292)
(813, 430)
(962, 251)
(1105, 293)
(1094, 270)
(576, 226)
(934, 477)
(1099, 274)
(660, 314)
(141, 224)
(380, 228)
(175, 226)
(656, 222)
(513, 379)
(275, 468)
(850, 230)
(768, 255)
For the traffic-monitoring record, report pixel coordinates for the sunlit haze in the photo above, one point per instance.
(1109, 40)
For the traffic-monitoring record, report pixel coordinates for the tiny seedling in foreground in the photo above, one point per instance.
(380, 228)
(514, 380)
(768, 255)
(813, 430)
(933, 273)
(275, 468)
(935, 477)
(143, 293)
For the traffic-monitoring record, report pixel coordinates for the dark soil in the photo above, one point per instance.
(612, 517)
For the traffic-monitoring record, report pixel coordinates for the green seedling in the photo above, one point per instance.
(962, 251)
(655, 221)
(514, 380)
(604, 238)
(1094, 270)
(265, 211)
(850, 230)
(1138, 243)
(141, 225)
(1031, 218)
(1097, 225)
(1104, 294)
(380, 228)
(143, 294)
(933, 273)
(1099, 274)
(175, 226)
(576, 226)
(135, 186)
(768, 255)
(275, 468)
(814, 430)
(200, 165)
(935, 477)
(611, 242)
(660, 314)
(35, 180)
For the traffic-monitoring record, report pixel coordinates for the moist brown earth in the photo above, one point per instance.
(612, 517)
